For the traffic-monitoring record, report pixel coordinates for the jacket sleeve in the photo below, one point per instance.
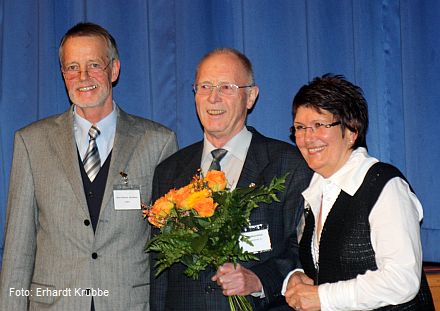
(272, 271)
(158, 284)
(20, 233)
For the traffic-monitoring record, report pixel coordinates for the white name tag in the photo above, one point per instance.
(127, 199)
(258, 235)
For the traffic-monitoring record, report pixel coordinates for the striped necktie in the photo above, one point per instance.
(217, 155)
(92, 162)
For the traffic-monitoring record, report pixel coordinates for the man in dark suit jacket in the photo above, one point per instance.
(224, 92)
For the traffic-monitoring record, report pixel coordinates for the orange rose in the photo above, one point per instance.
(216, 180)
(156, 222)
(205, 207)
(178, 196)
(161, 208)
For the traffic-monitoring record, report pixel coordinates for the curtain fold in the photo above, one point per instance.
(390, 48)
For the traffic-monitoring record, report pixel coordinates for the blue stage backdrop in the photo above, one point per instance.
(391, 48)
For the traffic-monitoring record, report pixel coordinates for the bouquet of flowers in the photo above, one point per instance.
(201, 224)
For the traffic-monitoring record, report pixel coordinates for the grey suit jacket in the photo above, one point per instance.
(48, 262)
(266, 158)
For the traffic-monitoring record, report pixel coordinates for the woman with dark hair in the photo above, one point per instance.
(360, 248)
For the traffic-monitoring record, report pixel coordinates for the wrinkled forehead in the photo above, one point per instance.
(85, 44)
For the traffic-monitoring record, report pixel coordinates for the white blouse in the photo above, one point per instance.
(395, 237)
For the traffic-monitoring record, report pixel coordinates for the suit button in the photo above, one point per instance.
(90, 194)
(209, 289)
(94, 255)
(87, 222)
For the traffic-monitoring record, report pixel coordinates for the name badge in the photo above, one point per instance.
(125, 196)
(258, 235)
(127, 199)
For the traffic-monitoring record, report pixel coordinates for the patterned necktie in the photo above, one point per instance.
(217, 155)
(92, 162)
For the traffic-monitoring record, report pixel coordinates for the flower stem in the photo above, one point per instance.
(239, 303)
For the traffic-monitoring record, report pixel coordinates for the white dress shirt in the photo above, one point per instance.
(395, 238)
(104, 141)
(233, 161)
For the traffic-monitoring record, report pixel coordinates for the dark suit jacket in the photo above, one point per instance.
(266, 158)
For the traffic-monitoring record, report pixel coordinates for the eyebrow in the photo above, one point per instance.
(314, 121)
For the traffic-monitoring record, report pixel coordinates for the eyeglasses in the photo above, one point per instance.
(316, 127)
(73, 71)
(223, 88)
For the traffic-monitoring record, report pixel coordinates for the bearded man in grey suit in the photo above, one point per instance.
(224, 92)
(71, 243)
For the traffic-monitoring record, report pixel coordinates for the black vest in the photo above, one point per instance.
(345, 249)
(95, 190)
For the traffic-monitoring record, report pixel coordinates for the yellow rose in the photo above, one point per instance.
(191, 201)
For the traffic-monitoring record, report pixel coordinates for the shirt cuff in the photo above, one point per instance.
(259, 294)
(286, 280)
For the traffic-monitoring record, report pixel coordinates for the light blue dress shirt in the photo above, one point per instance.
(104, 141)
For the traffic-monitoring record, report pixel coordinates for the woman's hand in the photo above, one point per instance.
(301, 294)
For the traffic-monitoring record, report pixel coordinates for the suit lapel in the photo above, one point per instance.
(256, 161)
(126, 139)
(63, 140)
(189, 165)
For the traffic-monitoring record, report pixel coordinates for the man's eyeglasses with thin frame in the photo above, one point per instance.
(223, 88)
(299, 129)
(94, 68)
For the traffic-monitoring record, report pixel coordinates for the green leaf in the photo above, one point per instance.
(198, 243)
(203, 222)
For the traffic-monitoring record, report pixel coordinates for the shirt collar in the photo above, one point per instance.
(107, 126)
(237, 146)
(348, 178)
